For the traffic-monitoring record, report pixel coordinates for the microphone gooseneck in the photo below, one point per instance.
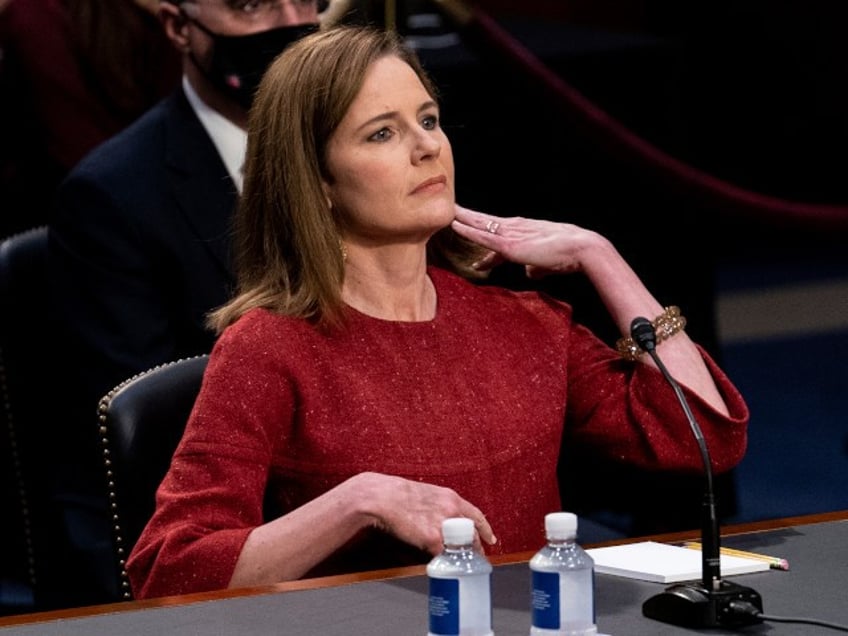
(688, 604)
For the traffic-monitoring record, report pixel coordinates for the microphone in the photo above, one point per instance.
(714, 602)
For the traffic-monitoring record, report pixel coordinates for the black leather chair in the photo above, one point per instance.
(23, 324)
(141, 421)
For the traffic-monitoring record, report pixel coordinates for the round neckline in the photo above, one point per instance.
(362, 315)
(354, 312)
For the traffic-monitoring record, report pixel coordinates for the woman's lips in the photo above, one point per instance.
(431, 185)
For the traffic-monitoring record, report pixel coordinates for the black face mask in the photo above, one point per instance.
(239, 61)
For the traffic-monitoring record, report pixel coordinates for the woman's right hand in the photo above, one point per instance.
(289, 546)
(413, 511)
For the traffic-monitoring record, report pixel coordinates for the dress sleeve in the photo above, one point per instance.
(212, 496)
(629, 412)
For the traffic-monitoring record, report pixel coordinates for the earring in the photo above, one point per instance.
(343, 250)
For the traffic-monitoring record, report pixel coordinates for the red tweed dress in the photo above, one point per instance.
(476, 400)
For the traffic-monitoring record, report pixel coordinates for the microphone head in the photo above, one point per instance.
(643, 334)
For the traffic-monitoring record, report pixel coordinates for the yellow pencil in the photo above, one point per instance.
(775, 563)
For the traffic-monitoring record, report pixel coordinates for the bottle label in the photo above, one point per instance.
(544, 600)
(444, 606)
(461, 605)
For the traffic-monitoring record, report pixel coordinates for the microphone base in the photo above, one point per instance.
(691, 605)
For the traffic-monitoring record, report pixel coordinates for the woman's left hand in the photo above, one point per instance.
(543, 247)
(546, 247)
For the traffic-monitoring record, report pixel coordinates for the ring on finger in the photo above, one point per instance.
(492, 227)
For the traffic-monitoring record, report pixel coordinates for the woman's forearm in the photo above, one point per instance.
(626, 297)
(288, 547)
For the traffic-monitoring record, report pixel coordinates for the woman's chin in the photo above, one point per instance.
(441, 211)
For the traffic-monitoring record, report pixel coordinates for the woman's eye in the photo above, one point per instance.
(431, 122)
(381, 135)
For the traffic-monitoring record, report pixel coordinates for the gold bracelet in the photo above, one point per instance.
(668, 323)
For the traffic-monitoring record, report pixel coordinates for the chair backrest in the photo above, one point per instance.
(141, 422)
(23, 324)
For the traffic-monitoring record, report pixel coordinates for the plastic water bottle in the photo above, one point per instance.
(460, 602)
(563, 582)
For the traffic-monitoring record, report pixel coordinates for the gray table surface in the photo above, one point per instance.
(816, 586)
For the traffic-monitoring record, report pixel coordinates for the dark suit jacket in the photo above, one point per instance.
(138, 254)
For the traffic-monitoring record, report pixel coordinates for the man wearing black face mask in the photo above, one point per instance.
(139, 252)
(237, 62)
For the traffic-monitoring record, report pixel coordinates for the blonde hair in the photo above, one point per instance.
(286, 237)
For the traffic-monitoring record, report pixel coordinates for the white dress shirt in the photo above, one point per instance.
(229, 139)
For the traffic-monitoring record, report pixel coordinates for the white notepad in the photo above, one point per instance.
(664, 563)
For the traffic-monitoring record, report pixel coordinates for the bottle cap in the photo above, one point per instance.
(457, 531)
(561, 525)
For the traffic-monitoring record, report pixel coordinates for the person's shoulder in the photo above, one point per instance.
(267, 340)
(138, 150)
(261, 328)
(133, 174)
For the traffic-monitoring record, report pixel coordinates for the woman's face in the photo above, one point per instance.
(390, 162)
